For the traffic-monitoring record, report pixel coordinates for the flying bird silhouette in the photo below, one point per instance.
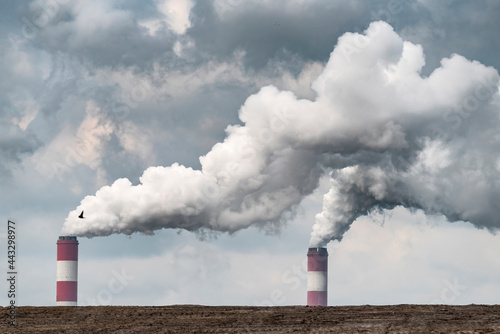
(81, 215)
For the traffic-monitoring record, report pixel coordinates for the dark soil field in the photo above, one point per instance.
(235, 319)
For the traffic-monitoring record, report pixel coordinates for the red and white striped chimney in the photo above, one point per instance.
(67, 271)
(317, 276)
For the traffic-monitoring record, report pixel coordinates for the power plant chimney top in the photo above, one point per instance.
(67, 238)
(319, 250)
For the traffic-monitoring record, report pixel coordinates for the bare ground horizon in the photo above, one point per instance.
(255, 319)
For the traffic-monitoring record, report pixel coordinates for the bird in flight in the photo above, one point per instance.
(81, 215)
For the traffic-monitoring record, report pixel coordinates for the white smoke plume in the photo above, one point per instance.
(388, 136)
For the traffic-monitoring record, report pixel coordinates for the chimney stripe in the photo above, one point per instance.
(67, 271)
(317, 298)
(67, 291)
(67, 251)
(317, 280)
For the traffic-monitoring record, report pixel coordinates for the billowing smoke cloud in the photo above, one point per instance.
(387, 135)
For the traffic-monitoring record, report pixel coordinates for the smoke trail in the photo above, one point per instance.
(389, 136)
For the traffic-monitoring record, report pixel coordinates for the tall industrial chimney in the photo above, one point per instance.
(67, 271)
(317, 277)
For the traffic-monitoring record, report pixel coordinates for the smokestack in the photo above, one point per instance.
(317, 276)
(67, 271)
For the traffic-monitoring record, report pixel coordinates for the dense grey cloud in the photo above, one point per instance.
(14, 146)
(98, 33)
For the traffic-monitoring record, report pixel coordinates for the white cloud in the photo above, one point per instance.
(176, 14)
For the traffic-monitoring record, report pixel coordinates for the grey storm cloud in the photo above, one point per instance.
(100, 34)
(389, 135)
(105, 34)
(14, 146)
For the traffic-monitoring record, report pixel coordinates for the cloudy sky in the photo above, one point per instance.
(235, 129)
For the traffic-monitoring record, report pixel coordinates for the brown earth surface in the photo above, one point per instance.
(241, 319)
